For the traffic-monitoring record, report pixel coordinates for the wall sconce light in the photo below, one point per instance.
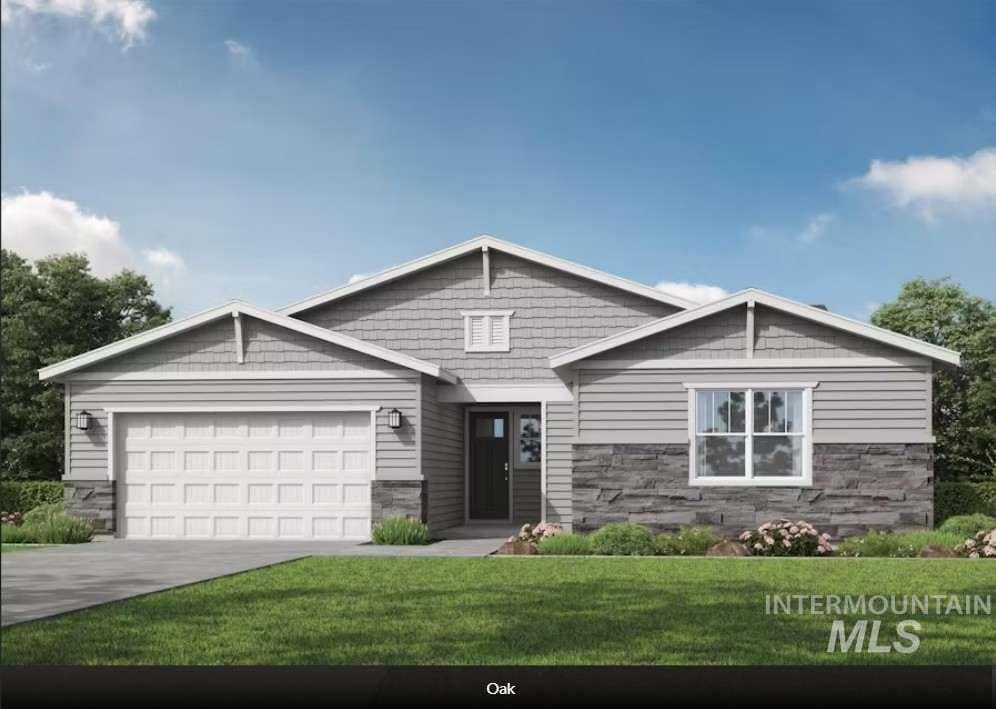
(83, 420)
(394, 418)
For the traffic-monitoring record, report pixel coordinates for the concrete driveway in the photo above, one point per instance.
(49, 581)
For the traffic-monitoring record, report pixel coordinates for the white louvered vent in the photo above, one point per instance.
(487, 331)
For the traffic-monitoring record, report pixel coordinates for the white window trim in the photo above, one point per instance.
(505, 315)
(806, 480)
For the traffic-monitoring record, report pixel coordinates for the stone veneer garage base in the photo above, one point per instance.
(95, 500)
(856, 487)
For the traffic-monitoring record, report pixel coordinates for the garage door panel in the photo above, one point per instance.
(268, 475)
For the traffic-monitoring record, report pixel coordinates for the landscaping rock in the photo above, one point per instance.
(937, 553)
(518, 548)
(728, 549)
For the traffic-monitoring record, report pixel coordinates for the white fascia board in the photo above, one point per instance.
(477, 244)
(235, 375)
(801, 310)
(239, 307)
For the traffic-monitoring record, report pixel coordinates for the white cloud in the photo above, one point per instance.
(930, 184)
(816, 227)
(240, 53)
(36, 225)
(357, 277)
(870, 307)
(129, 19)
(695, 292)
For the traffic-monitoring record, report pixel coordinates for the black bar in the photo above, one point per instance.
(182, 687)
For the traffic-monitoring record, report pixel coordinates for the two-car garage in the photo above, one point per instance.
(233, 474)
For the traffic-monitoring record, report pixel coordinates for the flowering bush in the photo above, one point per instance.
(14, 518)
(534, 533)
(982, 545)
(782, 537)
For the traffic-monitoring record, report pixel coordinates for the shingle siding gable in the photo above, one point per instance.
(420, 315)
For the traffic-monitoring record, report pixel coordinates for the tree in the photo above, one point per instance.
(943, 313)
(50, 311)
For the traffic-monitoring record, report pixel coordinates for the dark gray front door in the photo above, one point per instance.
(488, 465)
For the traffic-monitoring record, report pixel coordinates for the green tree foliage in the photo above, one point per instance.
(50, 311)
(943, 313)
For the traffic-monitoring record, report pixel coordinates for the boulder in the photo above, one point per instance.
(932, 552)
(728, 549)
(518, 548)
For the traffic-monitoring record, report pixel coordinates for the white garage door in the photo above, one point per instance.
(244, 475)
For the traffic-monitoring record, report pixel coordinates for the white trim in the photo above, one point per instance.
(240, 352)
(232, 375)
(320, 333)
(807, 312)
(492, 243)
(749, 330)
(749, 385)
(782, 363)
(373, 446)
(543, 461)
(805, 480)
(489, 316)
(67, 430)
(525, 392)
(486, 269)
(254, 408)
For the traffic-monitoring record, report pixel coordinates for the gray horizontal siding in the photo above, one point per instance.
(396, 454)
(554, 311)
(442, 458)
(878, 405)
(526, 494)
(560, 436)
(267, 347)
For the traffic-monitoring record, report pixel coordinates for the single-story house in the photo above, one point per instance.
(489, 381)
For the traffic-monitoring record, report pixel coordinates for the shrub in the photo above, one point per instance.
(565, 545)
(967, 525)
(24, 495)
(400, 530)
(9, 534)
(623, 539)
(963, 498)
(982, 545)
(896, 544)
(782, 537)
(687, 541)
(49, 524)
(533, 534)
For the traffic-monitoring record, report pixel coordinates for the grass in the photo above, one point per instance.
(362, 610)
(4, 548)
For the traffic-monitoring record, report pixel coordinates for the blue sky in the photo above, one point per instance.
(272, 150)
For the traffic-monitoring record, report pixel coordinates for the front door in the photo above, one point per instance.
(488, 465)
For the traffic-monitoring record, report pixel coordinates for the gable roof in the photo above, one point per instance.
(237, 307)
(477, 244)
(910, 344)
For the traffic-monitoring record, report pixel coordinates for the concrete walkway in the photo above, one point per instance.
(49, 581)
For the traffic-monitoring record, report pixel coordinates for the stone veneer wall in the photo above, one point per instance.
(856, 487)
(93, 500)
(398, 498)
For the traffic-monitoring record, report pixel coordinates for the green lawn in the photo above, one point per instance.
(4, 548)
(327, 610)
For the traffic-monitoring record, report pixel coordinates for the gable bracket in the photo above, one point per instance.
(486, 269)
(750, 329)
(240, 353)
